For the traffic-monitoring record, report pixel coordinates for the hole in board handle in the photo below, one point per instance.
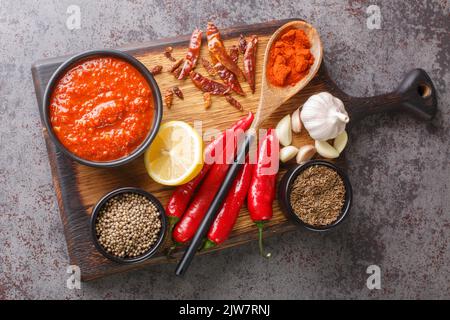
(424, 90)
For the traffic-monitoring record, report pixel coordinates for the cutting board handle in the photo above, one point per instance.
(415, 94)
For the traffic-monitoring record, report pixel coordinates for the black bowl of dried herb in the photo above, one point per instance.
(317, 195)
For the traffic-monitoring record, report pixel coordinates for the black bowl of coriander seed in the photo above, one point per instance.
(128, 225)
(316, 195)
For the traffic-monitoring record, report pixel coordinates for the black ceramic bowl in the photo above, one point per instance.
(155, 246)
(285, 188)
(157, 103)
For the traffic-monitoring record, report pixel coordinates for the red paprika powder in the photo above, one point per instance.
(289, 59)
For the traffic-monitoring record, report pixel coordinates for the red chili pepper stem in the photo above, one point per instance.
(208, 244)
(260, 225)
(171, 249)
(172, 222)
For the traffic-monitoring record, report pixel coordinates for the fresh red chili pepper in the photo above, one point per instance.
(189, 223)
(250, 62)
(192, 55)
(228, 214)
(186, 228)
(183, 194)
(229, 78)
(208, 85)
(262, 187)
(234, 53)
(218, 51)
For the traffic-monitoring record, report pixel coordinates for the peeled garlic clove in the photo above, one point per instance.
(288, 153)
(326, 150)
(305, 153)
(283, 131)
(296, 121)
(340, 142)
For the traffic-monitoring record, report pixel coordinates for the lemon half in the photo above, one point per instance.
(175, 157)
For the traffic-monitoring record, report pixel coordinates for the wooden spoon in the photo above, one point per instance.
(271, 98)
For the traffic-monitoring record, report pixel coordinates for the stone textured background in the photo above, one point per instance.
(399, 166)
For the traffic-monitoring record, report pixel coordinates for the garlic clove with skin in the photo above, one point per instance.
(296, 122)
(326, 150)
(324, 116)
(340, 142)
(284, 132)
(305, 153)
(288, 153)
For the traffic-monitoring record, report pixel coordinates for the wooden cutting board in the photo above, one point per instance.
(78, 187)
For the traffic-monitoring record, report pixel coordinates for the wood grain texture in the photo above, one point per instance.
(78, 187)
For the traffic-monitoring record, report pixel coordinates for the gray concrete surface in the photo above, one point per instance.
(399, 166)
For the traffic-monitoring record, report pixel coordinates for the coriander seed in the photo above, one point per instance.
(128, 225)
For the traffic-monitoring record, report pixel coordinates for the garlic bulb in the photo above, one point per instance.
(324, 116)
(283, 131)
(288, 153)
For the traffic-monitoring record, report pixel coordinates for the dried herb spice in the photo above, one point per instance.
(318, 196)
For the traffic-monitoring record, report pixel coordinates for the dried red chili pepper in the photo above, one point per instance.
(176, 65)
(234, 53)
(234, 102)
(242, 44)
(168, 53)
(209, 67)
(177, 72)
(178, 92)
(168, 98)
(208, 85)
(218, 51)
(229, 78)
(250, 62)
(262, 187)
(192, 55)
(228, 214)
(207, 100)
(156, 70)
(182, 195)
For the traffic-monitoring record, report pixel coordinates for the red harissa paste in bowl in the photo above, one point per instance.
(101, 109)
